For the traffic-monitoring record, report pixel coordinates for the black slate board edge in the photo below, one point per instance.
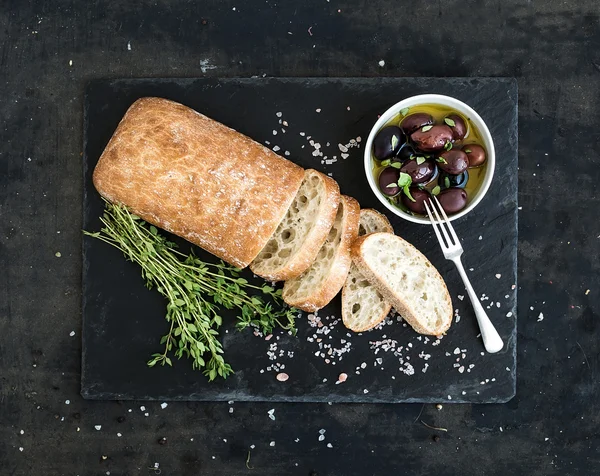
(88, 390)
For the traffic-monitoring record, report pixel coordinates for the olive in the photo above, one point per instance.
(447, 180)
(419, 173)
(406, 152)
(475, 154)
(432, 138)
(387, 142)
(415, 121)
(420, 196)
(458, 125)
(453, 161)
(452, 200)
(388, 176)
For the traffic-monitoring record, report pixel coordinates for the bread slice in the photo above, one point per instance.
(363, 306)
(319, 284)
(406, 278)
(298, 238)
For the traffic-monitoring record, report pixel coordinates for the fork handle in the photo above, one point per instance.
(491, 339)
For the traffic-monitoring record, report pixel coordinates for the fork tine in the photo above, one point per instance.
(435, 227)
(441, 223)
(447, 221)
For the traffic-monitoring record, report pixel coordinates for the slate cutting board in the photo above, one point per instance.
(123, 321)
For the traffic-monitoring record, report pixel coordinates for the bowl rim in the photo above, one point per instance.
(445, 101)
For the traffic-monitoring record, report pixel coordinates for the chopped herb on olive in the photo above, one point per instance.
(426, 128)
(420, 160)
(436, 190)
(404, 111)
(449, 121)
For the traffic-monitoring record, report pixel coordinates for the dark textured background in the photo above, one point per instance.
(552, 47)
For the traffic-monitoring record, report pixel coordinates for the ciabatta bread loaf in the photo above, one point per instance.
(406, 278)
(319, 284)
(197, 178)
(363, 306)
(298, 238)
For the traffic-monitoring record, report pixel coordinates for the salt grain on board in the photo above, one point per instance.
(282, 377)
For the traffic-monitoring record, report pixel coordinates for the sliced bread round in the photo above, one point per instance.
(299, 236)
(406, 278)
(363, 306)
(319, 284)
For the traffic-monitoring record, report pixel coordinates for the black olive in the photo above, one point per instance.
(420, 196)
(446, 180)
(459, 129)
(415, 121)
(475, 154)
(406, 152)
(453, 161)
(387, 142)
(432, 138)
(419, 173)
(389, 176)
(452, 200)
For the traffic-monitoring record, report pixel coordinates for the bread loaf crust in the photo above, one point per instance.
(197, 178)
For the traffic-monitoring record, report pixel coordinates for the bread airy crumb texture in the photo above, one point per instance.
(197, 178)
(363, 306)
(298, 238)
(319, 284)
(406, 278)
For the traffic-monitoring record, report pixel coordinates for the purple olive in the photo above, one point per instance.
(389, 176)
(415, 121)
(453, 161)
(458, 125)
(420, 196)
(432, 138)
(452, 200)
(406, 152)
(419, 173)
(475, 154)
(387, 142)
(446, 180)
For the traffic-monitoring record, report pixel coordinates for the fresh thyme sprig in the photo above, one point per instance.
(195, 291)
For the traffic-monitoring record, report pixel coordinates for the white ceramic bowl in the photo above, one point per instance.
(444, 101)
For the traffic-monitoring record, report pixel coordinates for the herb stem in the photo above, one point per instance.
(195, 290)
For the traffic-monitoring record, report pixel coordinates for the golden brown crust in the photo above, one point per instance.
(336, 277)
(301, 261)
(197, 178)
(397, 302)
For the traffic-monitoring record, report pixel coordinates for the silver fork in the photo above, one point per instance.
(452, 251)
